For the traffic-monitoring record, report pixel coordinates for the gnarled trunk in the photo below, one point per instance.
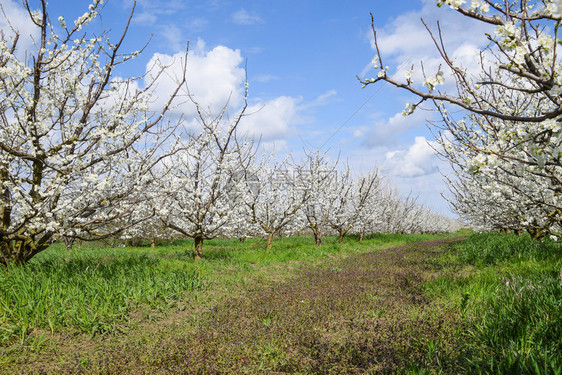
(68, 242)
(537, 233)
(19, 250)
(341, 236)
(317, 233)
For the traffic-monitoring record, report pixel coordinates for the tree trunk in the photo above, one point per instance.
(134, 242)
(340, 237)
(317, 238)
(198, 253)
(317, 233)
(361, 236)
(153, 243)
(68, 242)
(20, 250)
(269, 240)
(537, 233)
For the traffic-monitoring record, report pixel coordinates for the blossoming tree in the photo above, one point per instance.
(317, 177)
(76, 143)
(146, 224)
(507, 136)
(351, 197)
(275, 198)
(200, 192)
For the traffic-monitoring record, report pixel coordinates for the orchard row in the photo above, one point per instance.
(216, 184)
(86, 155)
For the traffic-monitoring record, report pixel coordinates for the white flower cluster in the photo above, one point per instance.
(554, 8)
(479, 6)
(408, 110)
(507, 150)
(432, 82)
(455, 4)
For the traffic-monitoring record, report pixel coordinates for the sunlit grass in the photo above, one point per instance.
(509, 290)
(352, 309)
(488, 305)
(94, 289)
(91, 291)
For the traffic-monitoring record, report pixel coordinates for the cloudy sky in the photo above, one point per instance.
(302, 59)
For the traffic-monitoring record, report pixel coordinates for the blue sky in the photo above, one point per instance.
(302, 61)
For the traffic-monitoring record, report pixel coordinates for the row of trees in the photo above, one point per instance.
(83, 156)
(505, 144)
(216, 185)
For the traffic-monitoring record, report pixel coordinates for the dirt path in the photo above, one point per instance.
(362, 314)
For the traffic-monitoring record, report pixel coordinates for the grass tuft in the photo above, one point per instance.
(86, 293)
(508, 289)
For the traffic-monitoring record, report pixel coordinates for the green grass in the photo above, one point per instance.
(491, 304)
(91, 291)
(94, 289)
(508, 290)
(488, 249)
(349, 308)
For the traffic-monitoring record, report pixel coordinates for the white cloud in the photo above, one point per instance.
(145, 18)
(277, 118)
(385, 132)
(405, 42)
(412, 168)
(407, 36)
(271, 120)
(265, 78)
(276, 147)
(323, 99)
(174, 37)
(214, 78)
(428, 189)
(243, 17)
(418, 160)
(156, 7)
(196, 24)
(254, 50)
(149, 12)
